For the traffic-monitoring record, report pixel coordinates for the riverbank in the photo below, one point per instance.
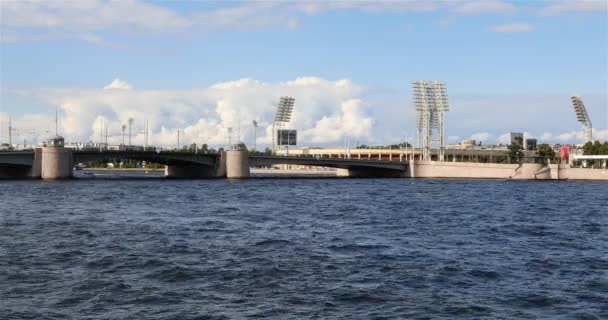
(123, 169)
(294, 172)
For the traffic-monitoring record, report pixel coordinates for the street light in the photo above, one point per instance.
(255, 134)
(130, 123)
(124, 127)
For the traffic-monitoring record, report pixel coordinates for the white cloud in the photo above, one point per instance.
(513, 27)
(504, 138)
(118, 84)
(575, 6)
(572, 136)
(35, 20)
(349, 121)
(86, 20)
(379, 6)
(481, 136)
(325, 112)
(484, 6)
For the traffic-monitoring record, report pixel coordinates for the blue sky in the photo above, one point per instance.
(527, 56)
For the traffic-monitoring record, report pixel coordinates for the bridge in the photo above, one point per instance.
(58, 163)
(351, 167)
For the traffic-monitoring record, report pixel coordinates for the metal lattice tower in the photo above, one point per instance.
(430, 104)
(583, 117)
(283, 115)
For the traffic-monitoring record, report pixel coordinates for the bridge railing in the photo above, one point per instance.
(325, 157)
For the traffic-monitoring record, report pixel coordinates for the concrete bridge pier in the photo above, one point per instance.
(56, 163)
(237, 164)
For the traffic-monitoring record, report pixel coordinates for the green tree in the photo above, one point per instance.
(516, 151)
(604, 148)
(545, 150)
(588, 148)
(597, 147)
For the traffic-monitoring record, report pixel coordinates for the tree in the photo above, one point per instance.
(545, 150)
(597, 146)
(516, 151)
(588, 148)
(604, 148)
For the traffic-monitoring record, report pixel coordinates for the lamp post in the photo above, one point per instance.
(130, 123)
(124, 127)
(255, 134)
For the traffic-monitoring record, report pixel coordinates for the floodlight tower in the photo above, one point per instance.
(583, 117)
(282, 116)
(430, 104)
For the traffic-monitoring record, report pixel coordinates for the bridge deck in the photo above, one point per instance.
(260, 160)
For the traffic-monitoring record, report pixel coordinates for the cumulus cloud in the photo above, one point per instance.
(504, 138)
(513, 27)
(118, 84)
(481, 136)
(572, 136)
(325, 112)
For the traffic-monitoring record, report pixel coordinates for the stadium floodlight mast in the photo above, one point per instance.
(430, 103)
(282, 116)
(583, 117)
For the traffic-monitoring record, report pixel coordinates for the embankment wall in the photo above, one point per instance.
(526, 171)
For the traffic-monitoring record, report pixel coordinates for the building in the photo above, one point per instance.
(469, 143)
(531, 144)
(517, 137)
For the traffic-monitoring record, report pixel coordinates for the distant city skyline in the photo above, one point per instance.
(202, 67)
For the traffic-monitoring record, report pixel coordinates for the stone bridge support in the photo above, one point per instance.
(56, 163)
(237, 164)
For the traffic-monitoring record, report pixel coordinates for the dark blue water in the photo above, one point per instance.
(303, 249)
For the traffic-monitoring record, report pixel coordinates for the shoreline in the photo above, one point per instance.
(121, 169)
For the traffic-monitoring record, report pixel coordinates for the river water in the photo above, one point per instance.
(124, 247)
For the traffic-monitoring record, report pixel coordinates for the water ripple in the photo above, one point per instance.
(303, 249)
